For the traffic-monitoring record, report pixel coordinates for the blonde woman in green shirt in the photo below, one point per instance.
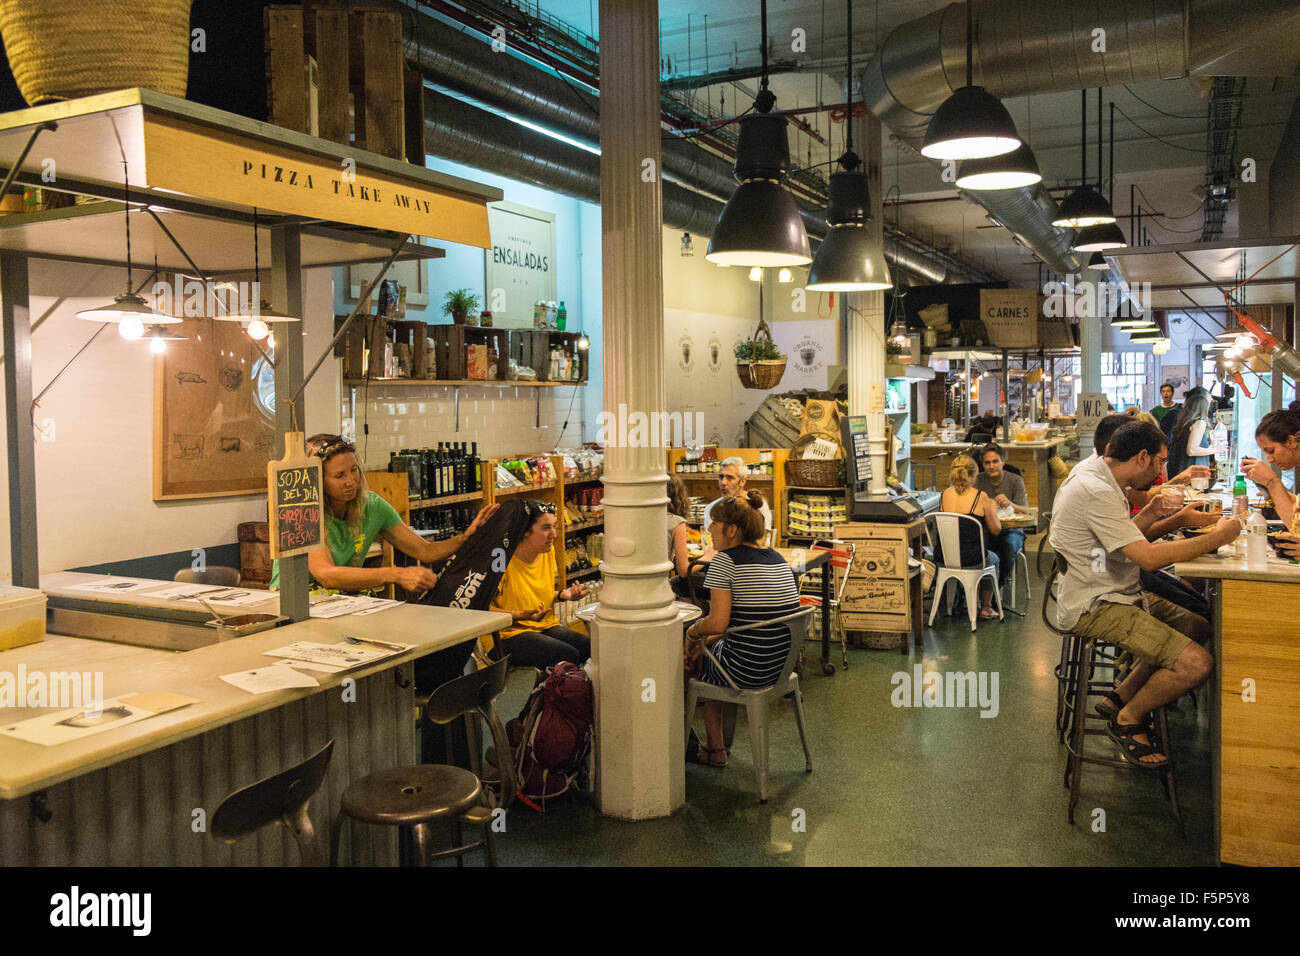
(355, 517)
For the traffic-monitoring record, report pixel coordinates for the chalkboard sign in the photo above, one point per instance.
(296, 503)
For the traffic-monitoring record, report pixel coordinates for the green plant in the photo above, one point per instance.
(459, 300)
(757, 350)
(893, 348)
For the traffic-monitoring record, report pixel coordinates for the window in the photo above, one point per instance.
(1124, 378)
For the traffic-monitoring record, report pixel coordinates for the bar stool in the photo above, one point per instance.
(418, 799)
(281, 798)
(1078, 680)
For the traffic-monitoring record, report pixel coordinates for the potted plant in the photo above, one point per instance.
(458, 303)
(759, 363)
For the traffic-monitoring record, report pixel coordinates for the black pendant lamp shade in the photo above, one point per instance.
(1013, 170)
(848, 260)
(760, 225)
(1082, 208)
(971, 124)
(1098, 262)
(1100, 238)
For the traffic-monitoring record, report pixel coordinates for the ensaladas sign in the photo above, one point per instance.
(251, 172)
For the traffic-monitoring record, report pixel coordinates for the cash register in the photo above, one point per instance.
(898, 503)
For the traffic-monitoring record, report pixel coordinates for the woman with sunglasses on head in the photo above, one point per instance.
(355, 517)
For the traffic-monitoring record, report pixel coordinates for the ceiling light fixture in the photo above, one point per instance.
(259, 313)
(1085, 206)
(972, 123)
(849, 259)
(584, 343)
(1098, 262)
(1013, 170)
(755, 274)
(760, 225)
(1099, 238)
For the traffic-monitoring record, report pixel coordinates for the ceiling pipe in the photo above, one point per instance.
(1047, 46)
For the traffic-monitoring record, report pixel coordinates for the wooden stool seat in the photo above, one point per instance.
(407, 796)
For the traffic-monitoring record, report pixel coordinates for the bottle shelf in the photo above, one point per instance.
(579, 527)
(446, 500)
(578, 575)
(455, 382)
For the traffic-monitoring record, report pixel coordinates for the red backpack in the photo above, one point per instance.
(552, 734)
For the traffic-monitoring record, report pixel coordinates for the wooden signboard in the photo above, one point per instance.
(1010, 317)
(520, 266)
(1090, 410)
(296, 502)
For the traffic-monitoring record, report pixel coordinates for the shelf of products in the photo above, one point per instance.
(455, 383)
(705, 484)
(810, 515)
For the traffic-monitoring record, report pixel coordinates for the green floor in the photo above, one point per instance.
(898, 786)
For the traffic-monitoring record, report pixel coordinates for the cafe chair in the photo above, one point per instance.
(281, 798)
(841, 561)
(217, 575)
(757, 701)
(950, 529)
(1089, 668)
(419, 800)
(1021, 560)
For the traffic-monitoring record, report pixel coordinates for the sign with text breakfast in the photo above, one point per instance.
(1010, 317)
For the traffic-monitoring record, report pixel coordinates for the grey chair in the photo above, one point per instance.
(418, 800)
(281, 798)
(757, 701)
(218, 575)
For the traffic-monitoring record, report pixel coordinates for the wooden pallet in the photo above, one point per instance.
(286, 65)
(329, 41)
(376, 76)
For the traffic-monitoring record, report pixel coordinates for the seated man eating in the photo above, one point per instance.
(1007, 490)
(1104, 552)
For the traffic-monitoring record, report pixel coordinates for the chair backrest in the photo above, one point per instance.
(1007, 466)
(280, 798)
(1049, 595)
(951, 529)
(841, 558)
(216, 575)
(477, 693)
(798, 624)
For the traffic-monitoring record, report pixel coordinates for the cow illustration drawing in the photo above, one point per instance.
(190, 378)
(229, 444)
(191, 446)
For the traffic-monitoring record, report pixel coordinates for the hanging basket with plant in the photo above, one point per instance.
(759, 363)
(458, 303)
(61, 50)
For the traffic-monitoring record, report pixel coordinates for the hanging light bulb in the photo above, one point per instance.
(256, 311)
(130, 327)
(257, 329)
(157, 346)
(785, 275)
(1243, 342)
(756, 274)
(584, 343)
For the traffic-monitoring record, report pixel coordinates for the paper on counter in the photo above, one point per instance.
(310, 666)
(378, 604)
(238, 597)
(109, 584)
(177, 591)
(821, 448)
(65, 726)
(353, 604)
(341, 654)
(263, 680)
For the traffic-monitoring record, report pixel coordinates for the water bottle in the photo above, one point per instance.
(1256, 542)
(1240, 503)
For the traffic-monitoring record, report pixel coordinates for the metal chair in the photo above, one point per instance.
(216, 575)
(948, 528)
(841, 558)
(1021, 559)
(281, 798)
(418, 799)
(757, 700)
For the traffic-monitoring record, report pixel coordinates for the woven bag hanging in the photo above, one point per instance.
(64, 49)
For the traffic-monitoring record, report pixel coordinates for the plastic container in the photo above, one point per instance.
(1256, 542)
(22, 616)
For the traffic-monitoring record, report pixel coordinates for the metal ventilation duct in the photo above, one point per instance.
(1046, 46)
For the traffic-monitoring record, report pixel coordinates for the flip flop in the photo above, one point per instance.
(1133, 751)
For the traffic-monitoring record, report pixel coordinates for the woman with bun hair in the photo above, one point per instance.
(963, 498)
(748, 584)
(1278, 437)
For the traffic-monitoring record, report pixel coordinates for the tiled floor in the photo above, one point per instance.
(900, 786)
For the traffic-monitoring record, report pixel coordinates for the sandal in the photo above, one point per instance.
(986, 614)
(1109, 713)
(1133, 751)
(708, 757)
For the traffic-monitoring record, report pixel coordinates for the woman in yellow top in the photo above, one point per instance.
(527, 592)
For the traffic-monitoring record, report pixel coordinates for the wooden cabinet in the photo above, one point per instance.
(878, 596)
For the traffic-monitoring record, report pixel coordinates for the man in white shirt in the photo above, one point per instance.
(732, 475)
(1104, 551)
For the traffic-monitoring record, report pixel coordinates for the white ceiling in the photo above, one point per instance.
(1168, 173)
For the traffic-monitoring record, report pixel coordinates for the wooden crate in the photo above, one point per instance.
(254, 553)
(376, 70)
(414, 336)
(331, 48)
(532, 348)
(286, 64)
(449, 342)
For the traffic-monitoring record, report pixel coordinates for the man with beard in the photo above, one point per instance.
(1104, 552)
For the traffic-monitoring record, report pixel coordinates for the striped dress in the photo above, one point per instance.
(762, 587)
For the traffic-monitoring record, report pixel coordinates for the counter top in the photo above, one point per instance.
(27, 767)
(959, 445)
(1234, 568)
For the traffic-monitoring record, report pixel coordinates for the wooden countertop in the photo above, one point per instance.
(27, 767)
(1234, 568)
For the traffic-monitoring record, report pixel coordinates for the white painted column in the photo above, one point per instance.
(866, 318)
(1091, 310)
(637, 640)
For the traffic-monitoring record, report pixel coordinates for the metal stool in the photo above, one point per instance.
(281, 798)
(417, 800)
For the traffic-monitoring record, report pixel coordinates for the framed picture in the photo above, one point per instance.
(1179, 376)
(214, 413)
(411, 273)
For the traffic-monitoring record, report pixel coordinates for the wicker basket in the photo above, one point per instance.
(61, 50)
(811, 472)
(765, 375)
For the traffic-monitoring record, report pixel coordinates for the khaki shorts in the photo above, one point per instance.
(1157, 638)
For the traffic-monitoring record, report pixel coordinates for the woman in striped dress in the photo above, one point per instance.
(748, 584)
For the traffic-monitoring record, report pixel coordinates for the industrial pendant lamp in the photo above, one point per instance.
(259, 315)
(760, 225)
(1085, 206)
(1014, 170)
(1107, 235)
(158, 336)
(848, 259)
(1098, 263)
(972, 123)
(128, 310)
